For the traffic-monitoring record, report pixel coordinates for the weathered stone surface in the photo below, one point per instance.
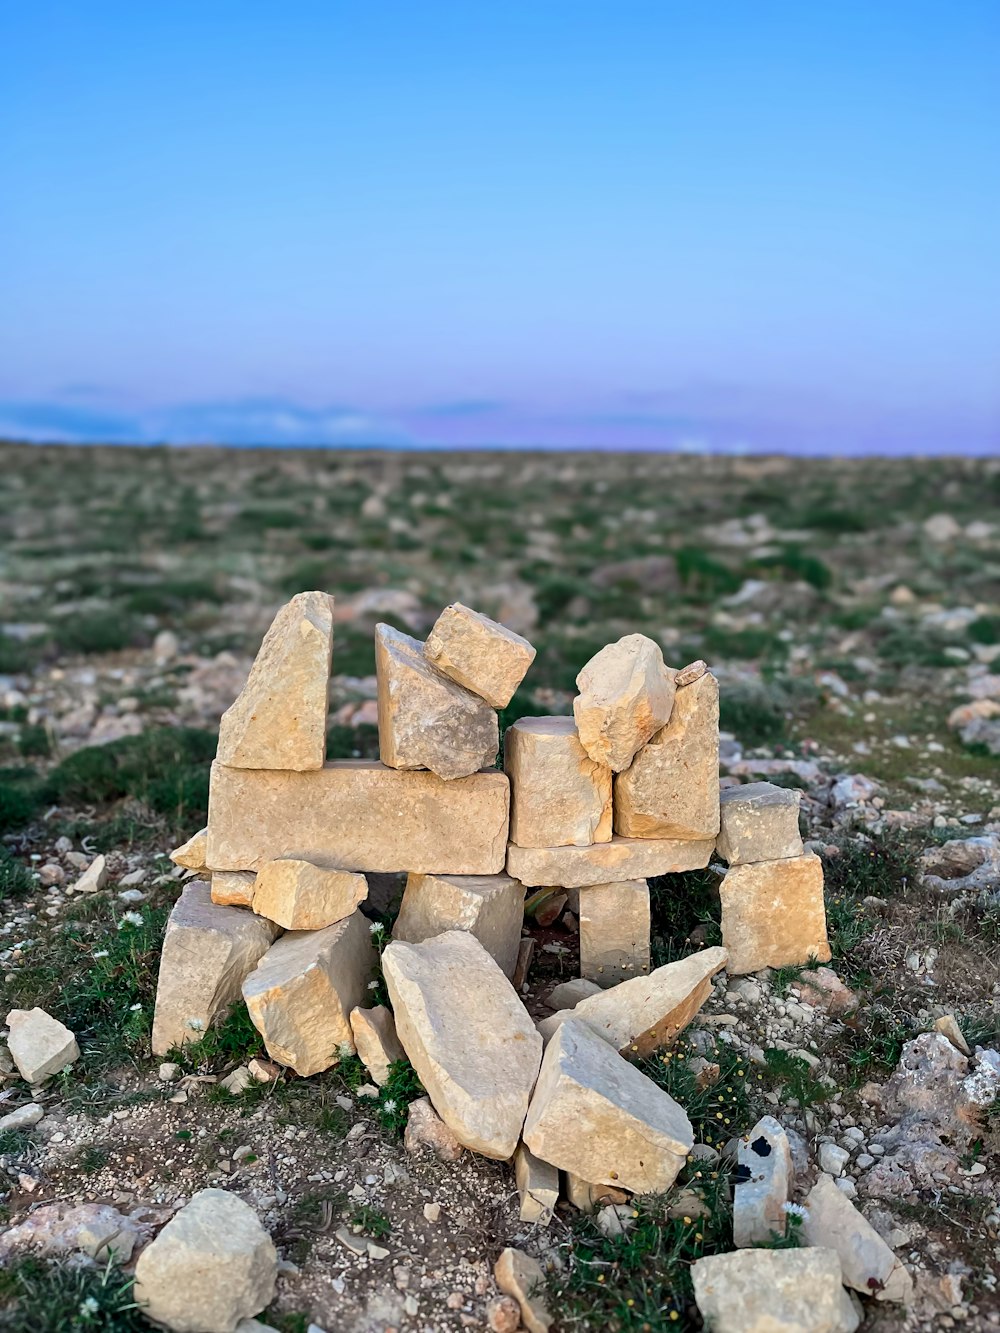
(773, 1291)
(644, 1014)
(60, 1228)
(614, 931)
(300, 895)
(359, 815)
(191, 854)
(376, 1041)
(520, 1276)
(568, 994)
(867, 1263)
(279, 718)
(596, 1115)
(233, 888)
(585, 1196)
(23, 1117)
(426, 1129)
(605, 862)
(302, 991)
(773, 914)
(426, 720)
(537, 1185)
(559, 796)
(93, 878)
(671, 788)
(491, 907)
(759, 822)
(823, 989)
(484, 656)
(207, 951)
(763, 1180)
(626, 694)
(467, 1035)
(39, 1044)
(212, 1265)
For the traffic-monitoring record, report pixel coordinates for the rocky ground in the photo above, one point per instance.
(852, 612)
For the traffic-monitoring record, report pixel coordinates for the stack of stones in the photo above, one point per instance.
(586, 809)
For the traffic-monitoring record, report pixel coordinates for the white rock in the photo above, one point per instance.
(833, 1159)
(761, 1192)
(490, 907)
(376, 1041)
(867, 1263)
(520, 1276)
(568, 994)
(23, 1118)
(537, 1185)
(626, 695)
(773, 1291)
(39, 1044)
(93, 878)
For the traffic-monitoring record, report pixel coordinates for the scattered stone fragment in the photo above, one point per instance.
(833, 1158)
(279, 719)
(671, 788)
(520, 1276)
(947, 1025)
(586, 1197)
(61, 1228)
(490, 907)
(479, 653)
(93, 878)
(615, 1219)
(867, 1263)
(425, 1128)
(302, 992)
(207, 951)
(169, 1072)
(237, 1081)
(233, 888)
(763, 1180)
(264, 1071)
(614, 931)
(689, 674)
(360, 815)
(645, 1014)
(212, 1265)
(822, 988)
(191, 854)
(773, 914)
(596, 1115)
(759, 822)
(39, 1044)
(104, 1232)
(376, 1041)
(568, 994)
(605, 862)
(559, 796)
(626, 694)
(503, 1315)
(537, 1185)
(545, 906)
(23, 1118)
(773, 1291)
(478, 1061)
(300, 895)
(426, 720)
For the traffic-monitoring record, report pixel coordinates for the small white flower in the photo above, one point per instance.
(795, 1210)
(89, 1306)
(345, 1050)
(101, 953)
(130, 919)
(134, 1008)
(376, 927)
(388, 1105)
(373, 985)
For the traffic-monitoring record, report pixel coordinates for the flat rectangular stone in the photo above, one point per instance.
(356, 814)
(479, 653)
(491, 907)
(603, 862)
(233, 888)
(773, 914)
(559, 796)
(759, 822)
(614, 931)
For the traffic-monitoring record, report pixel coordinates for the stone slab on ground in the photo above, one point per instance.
(759, 822)
(773, 1291)
(39, 1044)
(300, 895)
(614, 931)
(279, 718)
(559, 796)
(773, 914)
(761, 1190)
(605, 862)
(207, 951)
(491, 907)
(467, 1035)
(359, 815)
(594, 1114)
(484, 656)
(867, 1263)
(626, 694)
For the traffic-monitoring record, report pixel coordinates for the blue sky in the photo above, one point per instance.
(742, 226)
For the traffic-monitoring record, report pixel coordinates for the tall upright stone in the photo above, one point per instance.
(425, 719)
(773, 914)
(671, 788)
(626, 695)
(763, 1181)
(614, 931)
(484, 656)
(490, 907)
(279, 719)
(559, 796)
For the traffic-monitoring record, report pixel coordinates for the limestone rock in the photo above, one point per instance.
(947, 1025)
(586, 1197)
(491, 907)
(520, 1276)
(233, 888)
(614, 931)
(537, 1185)
(425, 1128)
(760, 822)
(605, 862)
(503, 1315)
(626, 694)
(300, 895)
(23, 1117)
(773, 1291)
(360, 815)
(484, 656)
(279, 719)
(426, 720)
(61, 1228)
(39, 1044)
(644, 1014)
(867, 1263)
(93, 878)
(191, 854)
(478, 1060)
(568, 994)
(207, 951)
(376, 1041)
(823, 989)
(764, 1177)
(559, 796)
(773, 914)
(212, 1265)
(302, 991)
(596, 1115)
(671, 788)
